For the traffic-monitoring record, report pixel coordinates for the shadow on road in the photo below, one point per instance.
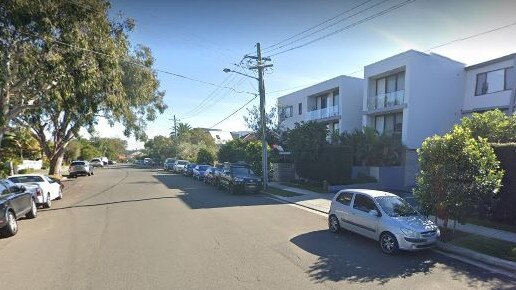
(198, 195)
(109, 203)
(351, 257)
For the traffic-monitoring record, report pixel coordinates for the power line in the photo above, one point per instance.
(329, 26)
(315, 26)
(141, 65)
(230, 115)
(426, 50)
(378, 14)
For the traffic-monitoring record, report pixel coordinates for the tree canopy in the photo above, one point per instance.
(93, 72)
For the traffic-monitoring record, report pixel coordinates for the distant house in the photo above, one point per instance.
(239, 134)
(220, 137)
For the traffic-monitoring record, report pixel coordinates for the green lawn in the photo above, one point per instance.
(281, 192)
(496, 248)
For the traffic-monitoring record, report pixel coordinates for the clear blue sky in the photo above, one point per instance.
(199, 38)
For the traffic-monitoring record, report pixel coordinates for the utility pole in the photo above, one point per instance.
(175, 127)
(260, 66)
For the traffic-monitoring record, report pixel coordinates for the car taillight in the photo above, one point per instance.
(38, 192)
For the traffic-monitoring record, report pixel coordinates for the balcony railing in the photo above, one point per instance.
(386, 100)
(323, 113)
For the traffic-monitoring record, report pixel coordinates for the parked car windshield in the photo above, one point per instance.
(77, 163)
(395, 206)
(25, 179)
(203, 167)
(242, 170)
(182, 162)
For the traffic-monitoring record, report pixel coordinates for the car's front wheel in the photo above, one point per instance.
(388, 243)
(33, 210)
(333, 224)
(60, 194)
(11, 228)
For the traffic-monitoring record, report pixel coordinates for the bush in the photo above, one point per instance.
(506, 197)
(25, 171)
(457, 171)
(204, 156)
(332, 163)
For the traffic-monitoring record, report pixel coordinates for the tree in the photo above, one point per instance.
(24, 76)
(305, 141)
(372, 149)
(253, 122)
(493, 125)
(204, 156)
(161, 147)
(238, 150)
(109, 147)
(110, 82)
(457, 171)
(19, 144)
(182, 128)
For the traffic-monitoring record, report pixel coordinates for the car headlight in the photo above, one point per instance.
(438, 232)
(238, 179)
(409, 233)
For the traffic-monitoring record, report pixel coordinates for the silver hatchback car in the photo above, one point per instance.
(384, 217)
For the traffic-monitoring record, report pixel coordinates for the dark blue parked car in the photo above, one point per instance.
(199, 171)
(189, 169)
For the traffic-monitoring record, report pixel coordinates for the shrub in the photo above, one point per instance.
(457, 171)
(204, 156)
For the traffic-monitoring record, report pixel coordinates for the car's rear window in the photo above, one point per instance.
(182, 162)
(78, 163)
(25, 179)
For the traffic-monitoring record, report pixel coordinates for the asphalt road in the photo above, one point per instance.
(128, 228)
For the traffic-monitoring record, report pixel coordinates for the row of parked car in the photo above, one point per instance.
(21, 195)
(235, 177)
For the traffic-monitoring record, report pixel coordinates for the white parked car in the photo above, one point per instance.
(179, 166)
(96, 162)
(384, 217)
(50, 189)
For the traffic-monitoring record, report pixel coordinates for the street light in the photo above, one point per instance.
(261, 88)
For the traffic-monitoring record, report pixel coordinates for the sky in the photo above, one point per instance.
(198, 39)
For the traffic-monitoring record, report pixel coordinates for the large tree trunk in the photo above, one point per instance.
(56, 163)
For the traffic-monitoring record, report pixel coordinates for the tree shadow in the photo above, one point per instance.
(351, 257)
(108, 203)
(198, 195)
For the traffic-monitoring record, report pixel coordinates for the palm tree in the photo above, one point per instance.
(182, 128)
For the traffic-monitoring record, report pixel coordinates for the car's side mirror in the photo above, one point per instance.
(374, 212)
(22, 188)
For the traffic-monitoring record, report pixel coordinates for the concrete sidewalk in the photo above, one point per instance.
(321, 202)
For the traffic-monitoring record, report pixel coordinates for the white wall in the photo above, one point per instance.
(433, 93)
(435, 86)
(350, 100)
(487, 101)
(350, 104)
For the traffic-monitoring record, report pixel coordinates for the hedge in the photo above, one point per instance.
(332, 163)
(505, 206)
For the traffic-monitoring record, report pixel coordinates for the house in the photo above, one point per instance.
(220, 137)
(336, 102)
(491, 85)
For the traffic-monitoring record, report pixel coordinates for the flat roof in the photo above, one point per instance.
(503, 58)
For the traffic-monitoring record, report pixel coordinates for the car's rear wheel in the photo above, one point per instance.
(388, 243)
(33, 210)
(333, 224)
(48, 204)
(11, 228)
(233, 189)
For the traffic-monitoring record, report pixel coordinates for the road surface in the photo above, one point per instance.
(128, 228)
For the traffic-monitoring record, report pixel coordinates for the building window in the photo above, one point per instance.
(300, 108)
(494, 81)
(324, 102)
(389, 84)
(389, 124)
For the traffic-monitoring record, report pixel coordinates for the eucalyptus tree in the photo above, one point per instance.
(94, 74)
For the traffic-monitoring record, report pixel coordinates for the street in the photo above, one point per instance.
(128, 228)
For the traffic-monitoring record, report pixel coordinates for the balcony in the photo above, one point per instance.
(386, 100)
(325, 113)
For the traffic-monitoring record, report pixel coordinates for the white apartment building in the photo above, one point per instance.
(491, 85)
(413, 95)
(336, 102)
